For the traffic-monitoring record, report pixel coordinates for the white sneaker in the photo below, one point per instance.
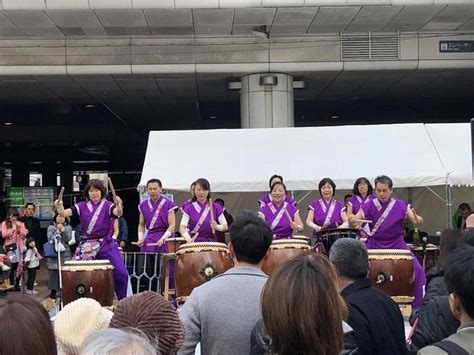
(31, 292)
(35, 284)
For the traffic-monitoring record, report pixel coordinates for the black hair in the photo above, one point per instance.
(151, 181)
(464, 206)
(96, 184)
(220, 201)
(355, 190)
(459, 277)
(251, 237)
(350, 258)
(273, 177)
(384, 179)
(30, 204)
(327, 181)
(205, 185)
(28, 241)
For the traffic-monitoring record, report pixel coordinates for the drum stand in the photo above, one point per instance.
(56, 245)
(165, 261)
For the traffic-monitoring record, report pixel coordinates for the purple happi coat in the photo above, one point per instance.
(267, 198)
(386, 232)
(156, 222)
(200, 219)
(357, 201)
(97, 222)
(326, 214)
(278, 220)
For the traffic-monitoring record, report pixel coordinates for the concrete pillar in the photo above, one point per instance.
(266, 101)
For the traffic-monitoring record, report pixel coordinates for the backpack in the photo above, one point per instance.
(450, 347)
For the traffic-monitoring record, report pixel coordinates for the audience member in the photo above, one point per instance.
(462, 213)
(14, 233)
(459, 276)
(152, 315)
(116, 342)
(301, 308)
(59, 231)
(25, 327)
(76, 321)
(32, 261)
(229, 218)
(222, 312)
(32, 223)
(374, 316)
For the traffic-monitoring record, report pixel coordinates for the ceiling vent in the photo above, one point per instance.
(370, 46)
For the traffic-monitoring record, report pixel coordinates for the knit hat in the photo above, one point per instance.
(77, 320)
(150, 313)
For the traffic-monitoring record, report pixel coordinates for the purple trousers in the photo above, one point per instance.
(110, 252)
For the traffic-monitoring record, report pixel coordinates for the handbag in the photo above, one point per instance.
(72, 241)
(50, 250)
(10, 247)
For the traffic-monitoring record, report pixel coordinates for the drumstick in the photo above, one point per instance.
(288, 215)
(112, 188)
(194, 238)
(362, 221)
(61, 193)
(134, 243)
(152, 244)
(212, 214)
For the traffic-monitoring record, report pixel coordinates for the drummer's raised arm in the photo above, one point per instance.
(58, 204)
(349, 210)
(344, 217)
(414, 218)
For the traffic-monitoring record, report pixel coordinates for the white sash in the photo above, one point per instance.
(201, 219)
(383, 216)
(157, 212)
(278, 216)
(93, 221)
(327, 221)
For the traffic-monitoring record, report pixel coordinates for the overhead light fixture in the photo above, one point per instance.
(90, 106)
(8, 123)
(212, 117)
(334, 117)
(261, 31)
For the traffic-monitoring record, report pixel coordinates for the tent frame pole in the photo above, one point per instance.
(449, 205)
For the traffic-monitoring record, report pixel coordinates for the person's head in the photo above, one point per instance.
(327, 188)
(77, 320)
(302, 310)
(220, 201)
(362, 187)
(383, 187)
(154, 316)
(191, 188)
(30, 243)
(467, 236)
(202, 190)
(116, 342)
(464, 209)
(30, 209)
(278, 192)
(450, 239)
(350, 258)
(25, 327)
(274, 179)
(58, 219)
(154, 188)
(94, 190)
(11, 219)
(347, 198)
(250, 238)
(459, 277)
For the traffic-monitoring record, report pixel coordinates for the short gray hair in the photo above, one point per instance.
(113, 341)
(350, 258)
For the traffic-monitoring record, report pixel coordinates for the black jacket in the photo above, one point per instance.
(375, 318)
(435, 284)
(435, 322)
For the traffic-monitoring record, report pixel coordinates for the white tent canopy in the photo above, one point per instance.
(237, 160)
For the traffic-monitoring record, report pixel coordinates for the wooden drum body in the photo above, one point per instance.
(392, 271)
(174, 244)
(282, 250)
(88, 278)
(329, 236)
(428, 256)
(197, 263)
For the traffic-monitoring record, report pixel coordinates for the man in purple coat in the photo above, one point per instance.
(387, 214)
